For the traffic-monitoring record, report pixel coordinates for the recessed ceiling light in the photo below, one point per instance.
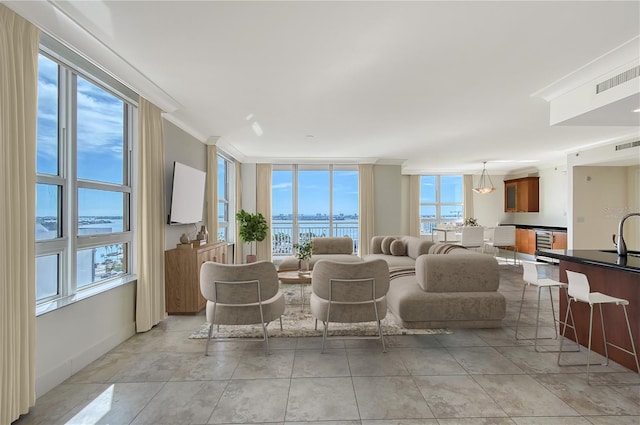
(309, 136)
(248, 118)
(636, 110)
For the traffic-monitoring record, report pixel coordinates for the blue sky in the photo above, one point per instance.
(313, 192)
(100, 143)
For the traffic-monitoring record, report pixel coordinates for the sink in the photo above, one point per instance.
(629, 253)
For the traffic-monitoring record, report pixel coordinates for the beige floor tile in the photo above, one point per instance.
(313, 399)
(252, 401)
(390, 397)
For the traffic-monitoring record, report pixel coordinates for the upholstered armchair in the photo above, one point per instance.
(242, 294)
(349, 293)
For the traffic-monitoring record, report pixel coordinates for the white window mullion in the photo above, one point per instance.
(71, 202)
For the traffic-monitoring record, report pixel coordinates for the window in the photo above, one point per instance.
(441, 201)
(83, 181)
(226, 190)
(311, 201)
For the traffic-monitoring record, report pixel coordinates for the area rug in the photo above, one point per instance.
(297, 322)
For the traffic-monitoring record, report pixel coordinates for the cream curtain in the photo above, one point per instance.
(467, 190)
(237, 252)
(18, 111)
(263, 205)
(212, 193)
(150, 231)
(366, 207)
(414, 205)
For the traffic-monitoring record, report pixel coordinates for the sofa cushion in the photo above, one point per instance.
(398, 248)
(416, 246)
(333, 245)
(386, 244)
(443, 248)
(464, 271)
(394, 261)
(291, 262)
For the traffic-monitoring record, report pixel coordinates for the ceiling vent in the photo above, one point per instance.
(628, 145)
(623, 77)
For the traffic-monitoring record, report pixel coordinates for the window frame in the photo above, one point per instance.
(69, 242)
(295, 169)
(228, 200)
(438, 204)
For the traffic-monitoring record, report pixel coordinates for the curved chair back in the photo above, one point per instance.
(530, 272)
(340, 280)
(578, 286)
(504, 236)
(235, 278)
(472, 237)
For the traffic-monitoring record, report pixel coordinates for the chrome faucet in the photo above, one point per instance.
(620, 245)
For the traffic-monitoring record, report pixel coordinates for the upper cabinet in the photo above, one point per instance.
(522, 195)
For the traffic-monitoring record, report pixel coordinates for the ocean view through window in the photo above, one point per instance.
(313, 201)
(83, 181)
(441, 202)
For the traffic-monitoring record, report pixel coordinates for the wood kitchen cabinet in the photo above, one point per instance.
(526, 241)
(182, 276)
(522, 195)
(559, 240)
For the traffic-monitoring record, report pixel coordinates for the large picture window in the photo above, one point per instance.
(83, 191)
(310, 201)
(441, 202)
(226, 191)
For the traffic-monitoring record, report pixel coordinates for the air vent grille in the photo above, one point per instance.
(618, 79)
(628, 145)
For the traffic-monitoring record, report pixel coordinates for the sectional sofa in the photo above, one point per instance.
(436, 285)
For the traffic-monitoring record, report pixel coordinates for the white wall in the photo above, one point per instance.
(182, 147)
(71, 337)
(599, 201)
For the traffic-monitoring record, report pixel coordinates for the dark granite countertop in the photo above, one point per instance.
(605, 258)
(537, 227)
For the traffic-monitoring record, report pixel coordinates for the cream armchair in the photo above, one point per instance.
(241, 294)
(349, 293)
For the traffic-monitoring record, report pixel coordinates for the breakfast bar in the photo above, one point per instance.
(618, 276)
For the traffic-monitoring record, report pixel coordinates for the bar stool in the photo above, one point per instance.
(530, 277)
(580, 291)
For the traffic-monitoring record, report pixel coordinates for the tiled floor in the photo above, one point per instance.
(479, 376)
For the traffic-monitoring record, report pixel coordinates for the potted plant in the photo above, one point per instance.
(252, 228)
(471, 222)
(303, 254)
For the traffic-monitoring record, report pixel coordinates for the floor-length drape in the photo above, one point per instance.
(366, 207)
(237, 252)
(263, 205)
(467, 190)
(150, 236)
(18, 114)
(414, 205)
(212, 192)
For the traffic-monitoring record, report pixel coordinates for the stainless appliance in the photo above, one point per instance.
(544, 241)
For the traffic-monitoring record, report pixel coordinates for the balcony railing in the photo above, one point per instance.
(282, 234)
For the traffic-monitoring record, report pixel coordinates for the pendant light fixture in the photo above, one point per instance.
(484, 187)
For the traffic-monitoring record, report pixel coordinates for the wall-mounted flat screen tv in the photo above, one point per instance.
(187, 194)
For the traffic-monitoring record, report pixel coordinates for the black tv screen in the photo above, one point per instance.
(187, 194)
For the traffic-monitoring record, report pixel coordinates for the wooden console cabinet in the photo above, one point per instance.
(182, 276)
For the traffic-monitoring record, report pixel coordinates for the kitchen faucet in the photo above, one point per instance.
(622, 247)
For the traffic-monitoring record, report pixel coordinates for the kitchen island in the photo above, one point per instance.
(610, 274)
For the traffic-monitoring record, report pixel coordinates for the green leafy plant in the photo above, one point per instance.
(253, 227)
(303, 250)
(473, 222)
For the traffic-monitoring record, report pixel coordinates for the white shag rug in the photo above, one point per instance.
(297, 322)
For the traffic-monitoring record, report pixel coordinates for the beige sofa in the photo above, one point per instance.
(456, 288)
(400, 254)
(328, 248)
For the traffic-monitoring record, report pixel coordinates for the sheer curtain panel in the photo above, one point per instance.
(366, 207)
(263, 205)
(150, 236)
(237, 252)
(467, 190)
(19, 41)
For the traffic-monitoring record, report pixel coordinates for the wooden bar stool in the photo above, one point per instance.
(579, 291)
